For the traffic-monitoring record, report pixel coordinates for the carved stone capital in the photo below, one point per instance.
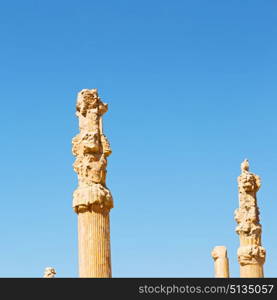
(247, 181)
(249, 228)
(247, 215)
(88, 101)
(92, 196)
(91, 148)
(251, 255)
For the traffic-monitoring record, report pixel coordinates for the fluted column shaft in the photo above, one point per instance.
(94, 244)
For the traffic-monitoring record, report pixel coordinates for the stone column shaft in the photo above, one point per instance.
(94, 243)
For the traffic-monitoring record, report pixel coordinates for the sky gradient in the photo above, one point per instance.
(191, 88)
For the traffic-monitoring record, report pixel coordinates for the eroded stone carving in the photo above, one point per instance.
(247, 216)
(91, 149)
(250, 255)
(49, 272)
(219, 252)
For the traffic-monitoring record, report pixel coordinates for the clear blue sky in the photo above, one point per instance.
(191, 88)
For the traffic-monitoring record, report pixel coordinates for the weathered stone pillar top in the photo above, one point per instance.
(247, 215)
(91, 148)
(219, 252)
(248, 182)
(251, 254)
(89, 100)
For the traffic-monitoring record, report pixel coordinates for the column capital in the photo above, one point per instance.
(249, 229)
(251, 255)
(248, 182)
(91, 148)
(247, 215)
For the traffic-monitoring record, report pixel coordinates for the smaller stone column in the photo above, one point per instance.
(221, 263)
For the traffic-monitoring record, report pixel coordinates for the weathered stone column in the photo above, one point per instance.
(221, 263)
(251, 255)
(92, 200)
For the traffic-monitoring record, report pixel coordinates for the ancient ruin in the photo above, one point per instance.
(251, 254)
(92, 200)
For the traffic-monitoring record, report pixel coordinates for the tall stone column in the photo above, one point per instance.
(221, 263)
(251, 254)
(92, 199)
